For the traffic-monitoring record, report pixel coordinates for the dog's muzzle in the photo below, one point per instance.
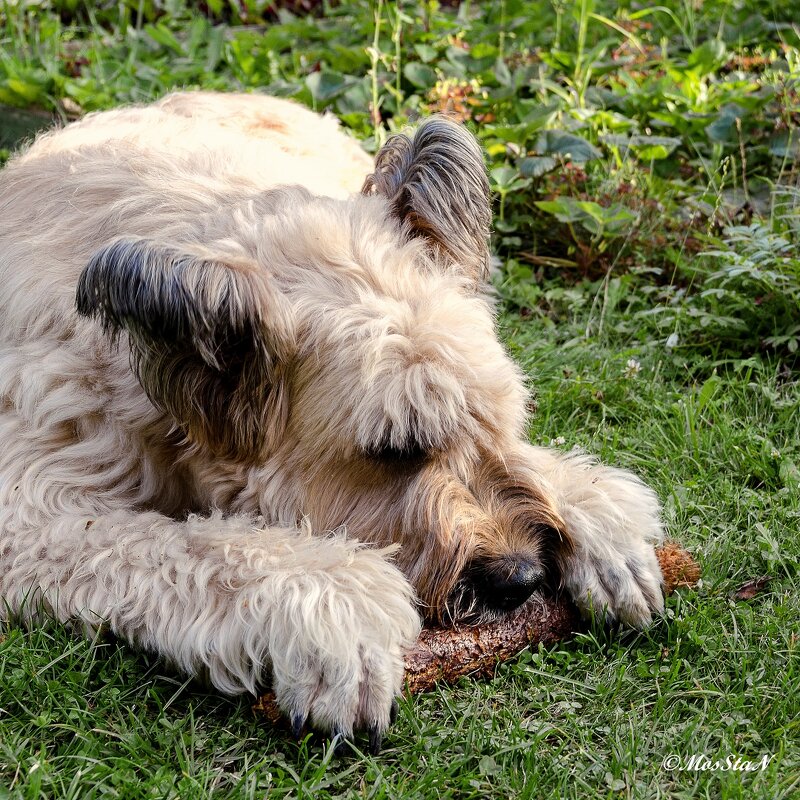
(505, 585)
(490, 589)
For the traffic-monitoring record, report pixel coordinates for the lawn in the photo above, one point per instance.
(646, 166)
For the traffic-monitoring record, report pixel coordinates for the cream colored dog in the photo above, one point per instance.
(257, 420)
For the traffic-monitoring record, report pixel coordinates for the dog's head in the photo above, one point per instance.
(351, 355)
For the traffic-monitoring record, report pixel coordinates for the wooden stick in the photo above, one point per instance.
(444, 655)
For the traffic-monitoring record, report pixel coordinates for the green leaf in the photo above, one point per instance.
(567, 145)
(723, 128)
(501, 73)
(565, 209)
(597, 219)
(707, 392)
(421, 75)
(594, 210)
(488, 766)
(537, 114)
(707, 58)
(519, 134)
(216, 40)
(653, 148)
(355, 99)
(483, 50)
(790, 474)
(655, 152)
(646, 148)
(536, 166)
(24, 90)
(503, 176)
(786, 145)
(425, 52)
(505, 226)
(507, 179)
(325, 85)
(162, 35)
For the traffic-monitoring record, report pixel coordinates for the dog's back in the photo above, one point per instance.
(252, 139)
(172, 171)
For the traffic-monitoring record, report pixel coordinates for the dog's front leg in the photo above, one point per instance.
(612, 520)
(230, 598)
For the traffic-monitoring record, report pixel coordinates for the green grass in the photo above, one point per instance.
(646, 166)
(593, 717)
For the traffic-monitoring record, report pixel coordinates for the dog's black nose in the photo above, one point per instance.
(504, 585)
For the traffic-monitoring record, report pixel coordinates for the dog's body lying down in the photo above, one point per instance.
(214, 351)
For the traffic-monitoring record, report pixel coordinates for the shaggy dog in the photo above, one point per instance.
(254, 412)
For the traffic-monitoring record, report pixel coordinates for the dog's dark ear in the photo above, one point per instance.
(209, 341)
(436, 185)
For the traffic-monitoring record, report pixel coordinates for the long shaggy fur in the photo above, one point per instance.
(436, 184)
(259, 420)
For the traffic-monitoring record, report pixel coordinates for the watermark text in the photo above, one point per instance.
(699, 762)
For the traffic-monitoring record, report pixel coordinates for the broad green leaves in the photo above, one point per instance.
(325, 85)
(567, 145)
(597, 219)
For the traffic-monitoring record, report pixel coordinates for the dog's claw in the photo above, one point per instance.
(341, 744)
(375, 740)
(298, 721)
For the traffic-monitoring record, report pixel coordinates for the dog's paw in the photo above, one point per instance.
(617, 584)
(341, 668)
(342, 688)
(613, 522)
